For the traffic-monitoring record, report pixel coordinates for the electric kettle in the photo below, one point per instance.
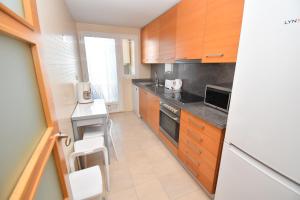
(84, 92)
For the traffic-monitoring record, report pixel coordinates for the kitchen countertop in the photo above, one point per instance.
(210, 115)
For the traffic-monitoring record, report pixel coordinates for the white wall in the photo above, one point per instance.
(142, 71)
(60, 58)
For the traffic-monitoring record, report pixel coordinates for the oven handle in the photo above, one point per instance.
(174, 118)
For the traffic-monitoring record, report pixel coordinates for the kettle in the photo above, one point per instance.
(84, 92)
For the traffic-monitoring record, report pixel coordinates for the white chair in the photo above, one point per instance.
(86, 183)
(91, 146)
(98, 131)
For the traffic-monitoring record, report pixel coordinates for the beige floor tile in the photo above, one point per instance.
(145, 170)
(128, 194)
(120, 179)
(177, 184)
(141, 171)
(196, 195)
(151, 191)
(166, 166)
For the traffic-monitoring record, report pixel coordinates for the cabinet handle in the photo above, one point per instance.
(195, 124)
(182, 58)
(214, 55)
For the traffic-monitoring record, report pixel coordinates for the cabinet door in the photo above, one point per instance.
(153, 112)
(167, 36)
(190, 29)
(144, 47)
(150, 42)
(222, 32)
(143, 104)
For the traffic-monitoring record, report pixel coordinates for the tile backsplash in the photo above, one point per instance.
(196, 75)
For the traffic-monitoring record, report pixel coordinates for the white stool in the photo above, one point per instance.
(91, 146)
(86, 183)
(98, 131)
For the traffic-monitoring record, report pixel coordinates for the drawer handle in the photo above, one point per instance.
(214, 55)
(195, 124)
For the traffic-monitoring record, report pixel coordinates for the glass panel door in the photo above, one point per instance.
(22, 116)
(49, 187)
(15, 5)
(102, 67)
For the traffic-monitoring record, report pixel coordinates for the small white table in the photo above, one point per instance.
(90, 114)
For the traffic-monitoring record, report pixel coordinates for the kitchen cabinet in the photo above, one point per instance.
(222, 30)
(190, 29)
(143, 104)
(153, 112)
(167, 36)
(149, 109)
(200, 146)
(150, 42)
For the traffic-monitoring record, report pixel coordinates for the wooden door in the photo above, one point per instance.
(167, 36)
(29, 146)
(153, 112)
(222, 32)
(190, 29)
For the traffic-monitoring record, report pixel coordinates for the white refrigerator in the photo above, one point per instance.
(261, 152)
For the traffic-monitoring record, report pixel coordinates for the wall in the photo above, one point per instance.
(60, 58)
(142, 71)
(196, 76)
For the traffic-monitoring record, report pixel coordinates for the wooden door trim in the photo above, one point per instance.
(27, 30)
(28, 182)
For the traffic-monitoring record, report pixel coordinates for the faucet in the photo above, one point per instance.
(156, 79)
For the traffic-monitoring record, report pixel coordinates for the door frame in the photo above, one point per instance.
(119, 56)
(27, 29)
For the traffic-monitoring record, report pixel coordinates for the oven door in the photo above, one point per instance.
(169, 125)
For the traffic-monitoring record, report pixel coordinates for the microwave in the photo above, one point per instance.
(218, 96)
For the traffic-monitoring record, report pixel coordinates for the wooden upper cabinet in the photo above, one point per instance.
(144, 49)
(150, 42)
(190, 29)
(222, 32)
(167, 36)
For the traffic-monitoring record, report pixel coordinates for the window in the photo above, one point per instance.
(102, 67)
(128, 57)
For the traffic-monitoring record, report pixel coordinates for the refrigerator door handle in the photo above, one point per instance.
(266, 170)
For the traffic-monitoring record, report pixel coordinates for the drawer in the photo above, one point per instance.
(199, 125)
(186, 133)
(198, 166)
(189, 161)
(187, 145)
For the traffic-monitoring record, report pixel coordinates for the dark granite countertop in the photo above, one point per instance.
(199, 109)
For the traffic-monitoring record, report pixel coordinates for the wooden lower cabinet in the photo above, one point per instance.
(143, 104)
(149, 109)
(153, 107)
(200, 146)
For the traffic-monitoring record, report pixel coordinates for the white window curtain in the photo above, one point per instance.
(102, 67)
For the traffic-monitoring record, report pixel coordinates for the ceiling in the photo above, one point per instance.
(130, 13)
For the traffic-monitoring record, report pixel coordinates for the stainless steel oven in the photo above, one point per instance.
(169, 121)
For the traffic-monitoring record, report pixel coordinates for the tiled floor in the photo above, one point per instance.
(146, 170)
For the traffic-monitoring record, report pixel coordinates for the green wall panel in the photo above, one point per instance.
(49, 188)
(22, 120)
